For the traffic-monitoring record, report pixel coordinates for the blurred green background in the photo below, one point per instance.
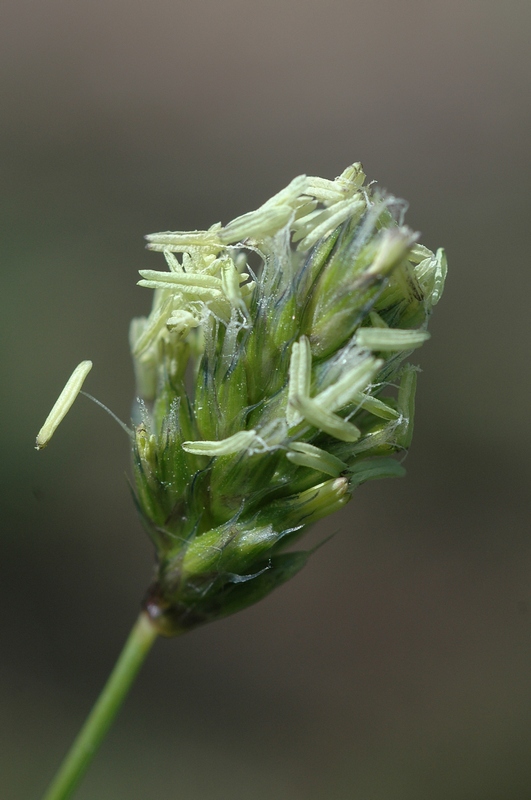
(397, 665)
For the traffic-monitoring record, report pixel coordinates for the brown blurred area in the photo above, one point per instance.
(397, 665)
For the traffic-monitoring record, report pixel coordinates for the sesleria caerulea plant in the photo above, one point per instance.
(266, 395)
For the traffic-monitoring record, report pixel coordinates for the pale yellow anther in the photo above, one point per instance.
(390, 339)
(326, 421)
(307, 455)
(63, 404)
(347, 388)
(300, 375)
(224, 447)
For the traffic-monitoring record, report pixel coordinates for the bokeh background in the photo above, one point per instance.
(397, 665)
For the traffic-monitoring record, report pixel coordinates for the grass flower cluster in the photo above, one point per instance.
(268, 393)
(272, 379)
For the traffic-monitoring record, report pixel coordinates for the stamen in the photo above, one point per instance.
(307, 455)
(390, 339)
(346, 389)
(63, 404)
(225, 447)
(330, 423)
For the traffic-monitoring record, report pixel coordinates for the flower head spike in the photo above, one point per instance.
(293, 369)
(265, 397)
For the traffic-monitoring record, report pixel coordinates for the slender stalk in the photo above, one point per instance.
(108, 704)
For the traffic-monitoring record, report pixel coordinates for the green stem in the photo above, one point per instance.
(104, 711)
